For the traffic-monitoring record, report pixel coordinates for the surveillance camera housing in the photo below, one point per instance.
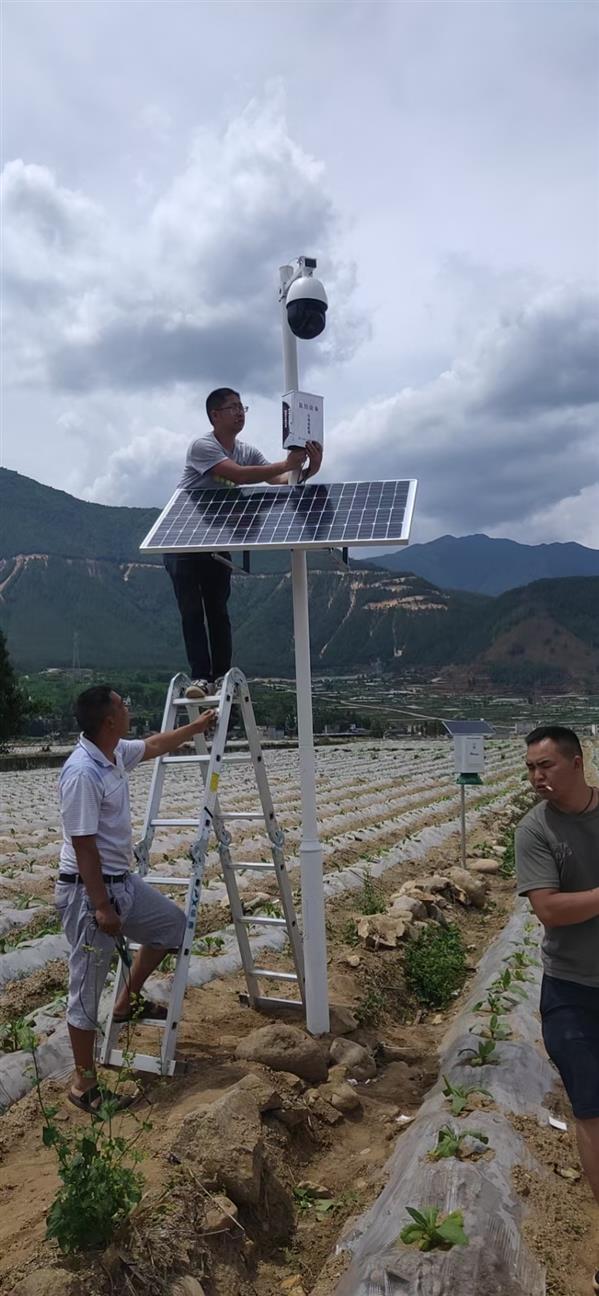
(306, 307)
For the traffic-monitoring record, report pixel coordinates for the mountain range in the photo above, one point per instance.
(69, 566)
(488, 566)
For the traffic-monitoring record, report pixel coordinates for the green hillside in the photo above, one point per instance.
(67, 566)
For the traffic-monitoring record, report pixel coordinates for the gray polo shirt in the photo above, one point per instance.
(204, 456)
(561, 851)
(94, 802)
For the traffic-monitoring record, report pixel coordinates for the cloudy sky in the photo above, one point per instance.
(440, 159)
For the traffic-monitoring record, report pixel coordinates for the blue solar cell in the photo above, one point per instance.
(278, 517)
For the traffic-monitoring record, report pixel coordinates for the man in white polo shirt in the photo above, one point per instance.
(97, 895)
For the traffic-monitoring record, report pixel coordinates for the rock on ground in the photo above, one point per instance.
(286, 1048)
(358, 1060)
(49, 1282)
(224, 1143)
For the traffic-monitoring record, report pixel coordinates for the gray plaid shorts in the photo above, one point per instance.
(148, 917)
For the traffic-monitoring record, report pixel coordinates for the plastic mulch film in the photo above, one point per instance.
(496, 1261)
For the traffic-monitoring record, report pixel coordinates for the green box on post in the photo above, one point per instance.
(469, 780)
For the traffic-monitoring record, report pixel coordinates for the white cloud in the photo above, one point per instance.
(502, 437)
(98, 306)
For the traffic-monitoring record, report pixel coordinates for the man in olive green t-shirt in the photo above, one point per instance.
(557, 858)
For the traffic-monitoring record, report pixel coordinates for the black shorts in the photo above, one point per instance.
(570, 1016)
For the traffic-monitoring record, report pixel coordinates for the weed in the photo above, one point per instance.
(450, 1142)
(373, 1007)
(308, 1199)
(435, 965)
(15, 1034)
(349, 933)
(483, 1055)
(460, 1094)
(372, 900)
(99, 1189)
(433, 1231)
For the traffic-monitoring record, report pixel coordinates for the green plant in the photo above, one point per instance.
(483, 1055)
(520, 959)
(372, 900)
(503, 983)
(349, 932)
(435, 965)
(208, 945)
(372, 1008)
(449, 1142)
(496, 1029)
(15, 1034)
(100, 1181)
(433, 1231)
(270, 908)
(459, 1095)
(308, 1199)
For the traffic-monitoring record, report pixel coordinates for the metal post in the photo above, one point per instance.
(463, 818)
(313, 912)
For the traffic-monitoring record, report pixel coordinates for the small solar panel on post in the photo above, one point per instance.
(469, 755)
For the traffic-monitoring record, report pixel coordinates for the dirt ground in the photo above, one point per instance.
(348, 1158)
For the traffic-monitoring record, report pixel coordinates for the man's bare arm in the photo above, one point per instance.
(89, 866)
(564, 908)
(161, 744)
(256, 473)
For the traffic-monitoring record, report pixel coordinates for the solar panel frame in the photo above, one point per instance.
(323, 515)
(468, 728)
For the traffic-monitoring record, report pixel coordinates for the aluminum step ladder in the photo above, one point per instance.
(211, 817)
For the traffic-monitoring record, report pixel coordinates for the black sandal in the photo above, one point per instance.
(141, 1009)
(92, 1100)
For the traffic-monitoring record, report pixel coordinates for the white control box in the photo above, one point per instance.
(303, 419)
(469, 753)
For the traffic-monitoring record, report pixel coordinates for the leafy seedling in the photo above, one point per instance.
(459, 1095)
(433, 1231)
(309, 1199)
(483, 1055)
(450, 1142)
(16, 1034)
(496, 1029)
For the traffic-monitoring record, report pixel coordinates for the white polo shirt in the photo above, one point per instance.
(94, 801)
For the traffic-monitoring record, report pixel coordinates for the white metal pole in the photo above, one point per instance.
(463, 819)
(313, 913)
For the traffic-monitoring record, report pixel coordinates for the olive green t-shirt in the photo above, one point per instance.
(561, 851)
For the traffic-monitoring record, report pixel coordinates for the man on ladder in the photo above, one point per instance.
(202, 582)
(97, 896)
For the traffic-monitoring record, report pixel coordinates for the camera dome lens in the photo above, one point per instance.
(306, 318)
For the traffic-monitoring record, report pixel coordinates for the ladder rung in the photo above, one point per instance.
(166, 881)
(144, 1062)
(275, 976)
(267, 1001)
(199, 760)
(240, 814)
(257, 866)
(247, 920)
(174, 823)
(197, 702)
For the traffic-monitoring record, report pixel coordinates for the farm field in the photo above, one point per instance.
(389, 815)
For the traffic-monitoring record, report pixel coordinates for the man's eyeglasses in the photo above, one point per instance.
(236, 409)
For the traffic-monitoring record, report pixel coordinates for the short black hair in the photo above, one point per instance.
(92, 707)
(218, 398)
(564, 738)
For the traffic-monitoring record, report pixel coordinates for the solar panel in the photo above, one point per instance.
(470, 728)
(284, 517)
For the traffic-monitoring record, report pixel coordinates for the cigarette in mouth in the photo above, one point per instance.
(548, 787)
